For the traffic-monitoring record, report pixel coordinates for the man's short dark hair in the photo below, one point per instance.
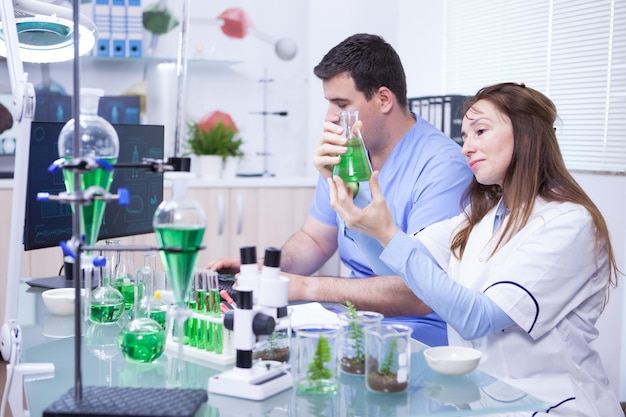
(370, 61)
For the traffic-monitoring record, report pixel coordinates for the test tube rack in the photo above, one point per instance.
(201, 355)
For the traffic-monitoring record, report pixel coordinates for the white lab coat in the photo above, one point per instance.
(551, 282)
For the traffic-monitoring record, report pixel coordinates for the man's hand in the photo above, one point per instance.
(225, 266)
(328, 149)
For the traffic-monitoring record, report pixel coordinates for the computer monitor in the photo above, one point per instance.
(49, 223)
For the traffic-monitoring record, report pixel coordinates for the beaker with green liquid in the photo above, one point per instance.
(354, 166)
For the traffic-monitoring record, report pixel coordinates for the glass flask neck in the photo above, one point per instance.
(347, 120)
(89, 99)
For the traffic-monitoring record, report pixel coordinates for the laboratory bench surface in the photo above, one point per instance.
(49, 338)
(237, 182)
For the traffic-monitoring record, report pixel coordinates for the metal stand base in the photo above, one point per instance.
(103, 401)
(256, 383)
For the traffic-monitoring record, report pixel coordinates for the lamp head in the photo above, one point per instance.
(46, 32)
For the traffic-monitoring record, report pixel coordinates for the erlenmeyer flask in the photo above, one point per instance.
(107, 303)
(99, 140)
(354, 166)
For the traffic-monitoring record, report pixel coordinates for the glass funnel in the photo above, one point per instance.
(354, 166)
(98, 140)
(179, 224)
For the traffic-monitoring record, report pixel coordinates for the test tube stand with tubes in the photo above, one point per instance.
(207, 340)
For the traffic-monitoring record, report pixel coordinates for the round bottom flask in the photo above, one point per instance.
(142, 340)
(106, 303)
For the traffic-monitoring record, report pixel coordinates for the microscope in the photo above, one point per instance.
(256, 317)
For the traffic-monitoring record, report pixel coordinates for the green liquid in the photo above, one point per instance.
(159, 316)
(142, 341)
(201, 325)
(180, 265)
(127, 288)
(354, 165)
(191, 324)
(92, 214)
(319, 386)
(215, 342)
(106, 313)
(217, 337)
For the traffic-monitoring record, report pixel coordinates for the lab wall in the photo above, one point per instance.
(244, 77)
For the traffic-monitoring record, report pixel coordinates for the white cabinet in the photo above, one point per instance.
(249, 216)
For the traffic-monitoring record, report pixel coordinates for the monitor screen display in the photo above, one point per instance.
(48, 223)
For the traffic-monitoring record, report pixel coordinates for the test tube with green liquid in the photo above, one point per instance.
(201, 325)
(213, 308)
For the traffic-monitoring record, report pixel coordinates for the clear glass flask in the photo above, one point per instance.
(355, 165)
(98, 140)
(124, 277)
(106, 303)
(142, 339)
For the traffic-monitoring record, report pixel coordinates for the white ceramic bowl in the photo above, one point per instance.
(452, 360)
(60, 301)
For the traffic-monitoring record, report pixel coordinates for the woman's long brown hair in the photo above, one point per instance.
(537, 169)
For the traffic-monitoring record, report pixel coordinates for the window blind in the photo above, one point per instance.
(574, 51)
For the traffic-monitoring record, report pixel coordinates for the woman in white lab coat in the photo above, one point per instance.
(524, 272)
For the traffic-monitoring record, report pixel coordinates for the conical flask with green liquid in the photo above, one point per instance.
(354, 166)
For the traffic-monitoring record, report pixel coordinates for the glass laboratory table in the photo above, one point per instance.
(49, 338)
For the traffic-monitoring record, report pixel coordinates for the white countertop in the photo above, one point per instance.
(237, 182)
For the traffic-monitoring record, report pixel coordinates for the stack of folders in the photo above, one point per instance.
(443, 112)
(120, 28)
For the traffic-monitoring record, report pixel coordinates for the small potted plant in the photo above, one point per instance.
(388, 359)
(215, 140)
(352, 357)
(317, 370)
(315, 364)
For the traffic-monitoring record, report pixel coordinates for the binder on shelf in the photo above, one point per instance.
(102, 20)
(415, 106)
(118, 28)
(436, 111)
(443, 112)
(425, 105)
(452, 117)
(134, 29)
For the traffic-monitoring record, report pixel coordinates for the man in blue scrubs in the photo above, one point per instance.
(422, 175)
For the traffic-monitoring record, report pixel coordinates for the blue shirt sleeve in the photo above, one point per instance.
(471, 313)
(320, 207)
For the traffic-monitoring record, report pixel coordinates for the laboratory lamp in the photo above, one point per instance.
(27, 34)
(45, 32)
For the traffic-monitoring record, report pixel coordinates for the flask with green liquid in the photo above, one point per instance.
(106, 303)
(143, 339)
(354, 166)
(98, 140)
